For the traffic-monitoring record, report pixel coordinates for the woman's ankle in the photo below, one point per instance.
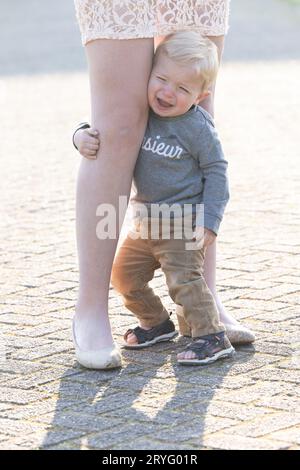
(225, 317)
(91, 310)
(92, 328)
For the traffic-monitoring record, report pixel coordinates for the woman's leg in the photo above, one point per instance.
(210, 257)
(119, 73)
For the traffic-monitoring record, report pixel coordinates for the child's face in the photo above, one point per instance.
(173, 88)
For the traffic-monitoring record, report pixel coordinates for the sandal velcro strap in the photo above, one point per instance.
(144, 337)
(141, 335)
(206, 346)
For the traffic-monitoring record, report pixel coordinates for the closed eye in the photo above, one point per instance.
(184, 89)
(161, 78)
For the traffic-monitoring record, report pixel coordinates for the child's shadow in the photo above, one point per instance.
(151, 403)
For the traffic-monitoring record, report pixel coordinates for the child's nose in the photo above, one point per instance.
(168, 90)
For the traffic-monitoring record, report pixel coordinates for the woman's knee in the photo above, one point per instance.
(129, 123)
(119, 72)
(122, 130)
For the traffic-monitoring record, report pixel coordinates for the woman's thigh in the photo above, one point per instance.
(208, 103)
(119, 72)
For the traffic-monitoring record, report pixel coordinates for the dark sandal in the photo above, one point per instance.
(163, 332)
(208, 349)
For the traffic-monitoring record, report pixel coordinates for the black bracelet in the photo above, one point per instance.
(83, 125)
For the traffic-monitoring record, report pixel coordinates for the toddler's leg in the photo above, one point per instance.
(187, 287)
(133, 268)
(236, 332)
(184, 275)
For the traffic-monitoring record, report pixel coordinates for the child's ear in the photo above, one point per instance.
(202, 96)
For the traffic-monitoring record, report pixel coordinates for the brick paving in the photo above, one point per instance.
(49, 401)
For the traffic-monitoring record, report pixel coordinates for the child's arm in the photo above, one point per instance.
(214, 170)
(85, 140)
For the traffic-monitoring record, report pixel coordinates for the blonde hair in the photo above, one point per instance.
(190, 48)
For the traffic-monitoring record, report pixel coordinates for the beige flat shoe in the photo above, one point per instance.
(104, 358)
(239, 334)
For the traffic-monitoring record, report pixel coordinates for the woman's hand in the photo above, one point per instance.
(87, 142)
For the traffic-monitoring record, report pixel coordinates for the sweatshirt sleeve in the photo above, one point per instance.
(214, 170)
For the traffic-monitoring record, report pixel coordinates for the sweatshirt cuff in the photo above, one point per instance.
(212, 223)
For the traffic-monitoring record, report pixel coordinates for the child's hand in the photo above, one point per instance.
(204, 237)
(87, 142)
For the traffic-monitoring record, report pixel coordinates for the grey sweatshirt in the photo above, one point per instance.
(181, 162)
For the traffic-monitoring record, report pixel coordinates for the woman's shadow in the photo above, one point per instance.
(151, 403)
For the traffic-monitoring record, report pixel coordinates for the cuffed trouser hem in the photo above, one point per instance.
(147, 314)
(205, 332)
(186, 330)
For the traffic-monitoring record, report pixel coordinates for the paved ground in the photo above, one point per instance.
(46, 399)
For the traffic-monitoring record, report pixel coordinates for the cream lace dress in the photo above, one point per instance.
(131, 19)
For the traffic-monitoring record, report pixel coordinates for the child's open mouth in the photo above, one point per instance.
(163, 104)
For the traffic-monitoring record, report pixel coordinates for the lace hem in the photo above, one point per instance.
(132, 19)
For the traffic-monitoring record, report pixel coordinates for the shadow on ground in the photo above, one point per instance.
(152, 403)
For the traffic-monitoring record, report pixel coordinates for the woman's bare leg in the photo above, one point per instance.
(119, 73)
(210, 257)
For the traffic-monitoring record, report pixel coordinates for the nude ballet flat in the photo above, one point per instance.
(104, 358)
(237, 334)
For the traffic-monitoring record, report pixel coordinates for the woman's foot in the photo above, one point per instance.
(92, 331)
(94, 351)
(239, 334)
(236, 332)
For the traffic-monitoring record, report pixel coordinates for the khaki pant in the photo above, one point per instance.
(134, 266)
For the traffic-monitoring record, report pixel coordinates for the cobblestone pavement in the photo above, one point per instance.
(46, 399)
